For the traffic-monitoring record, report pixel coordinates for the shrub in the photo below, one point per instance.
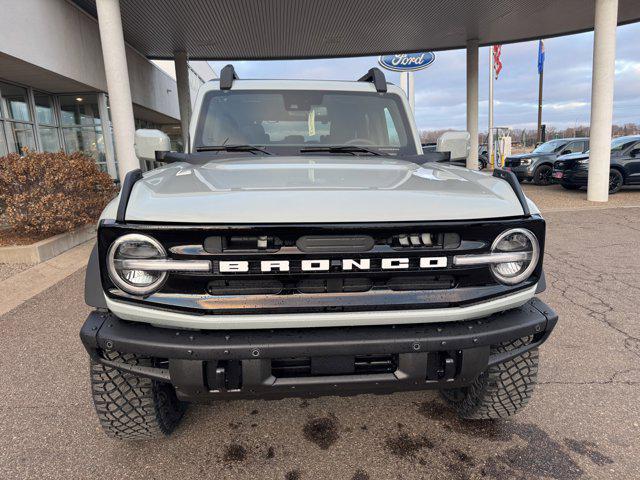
(44, 194)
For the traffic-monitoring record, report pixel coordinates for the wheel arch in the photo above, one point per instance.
(621, 170)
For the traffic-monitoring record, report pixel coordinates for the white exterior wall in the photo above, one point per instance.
(57, 36)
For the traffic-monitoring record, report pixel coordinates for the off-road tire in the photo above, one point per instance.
(501, 390)
(542, 175)
(131, 407)
(568, 186)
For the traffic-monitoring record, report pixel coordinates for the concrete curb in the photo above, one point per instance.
(48, 248)
(21, 287)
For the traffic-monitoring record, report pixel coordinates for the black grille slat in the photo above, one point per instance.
(376, 363)
(362, 365)
(291, 367)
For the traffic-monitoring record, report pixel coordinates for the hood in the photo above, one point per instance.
(571, 157)
(317, 189)
(531, 155)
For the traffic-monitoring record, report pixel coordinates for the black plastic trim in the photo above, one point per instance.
(127, 186)
(93, 293)
(375, 76)
(227, 76)
(533, 318)
(512, 180)
(542, 283)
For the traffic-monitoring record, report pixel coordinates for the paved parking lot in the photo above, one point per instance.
(584, 420)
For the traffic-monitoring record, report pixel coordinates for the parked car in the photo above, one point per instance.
(537, 166)
(305, 247)
(571, 171)
(483, 156)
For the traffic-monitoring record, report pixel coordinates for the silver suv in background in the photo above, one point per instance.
(537, 166)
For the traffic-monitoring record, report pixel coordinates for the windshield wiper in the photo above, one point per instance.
(232, 148)
(350, 149)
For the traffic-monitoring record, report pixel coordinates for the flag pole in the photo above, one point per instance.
(540, 76)
(490, 153)
(540, 79)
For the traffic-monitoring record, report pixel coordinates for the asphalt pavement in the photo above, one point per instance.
(583, 422)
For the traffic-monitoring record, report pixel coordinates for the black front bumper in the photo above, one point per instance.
(317, 361)
(522, 172)
(575, 177)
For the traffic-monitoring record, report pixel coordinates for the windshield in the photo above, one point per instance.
(550, 146)
(288, 121)
(621, 143)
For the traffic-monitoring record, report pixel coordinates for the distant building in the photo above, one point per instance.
(52, 84)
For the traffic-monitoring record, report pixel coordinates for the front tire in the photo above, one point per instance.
(542, 175)
(616, 180)
(131, 407)
(500, 391)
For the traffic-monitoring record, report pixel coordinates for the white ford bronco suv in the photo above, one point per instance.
(307, 246)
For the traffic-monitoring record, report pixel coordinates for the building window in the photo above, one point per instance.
(3, 140)
(81, 126)
(15, 117)
(47, 122)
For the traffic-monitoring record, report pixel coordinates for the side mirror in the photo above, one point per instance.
(458, 143)
(565, 152)
(148, 142)
(635, 152)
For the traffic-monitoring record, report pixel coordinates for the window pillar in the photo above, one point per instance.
(107, 137)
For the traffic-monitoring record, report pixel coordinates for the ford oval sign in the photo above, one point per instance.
(407, 62)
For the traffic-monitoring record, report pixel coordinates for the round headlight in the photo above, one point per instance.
(134, 246)
(517, 240)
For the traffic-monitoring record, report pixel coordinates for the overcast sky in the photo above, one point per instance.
(440, 89)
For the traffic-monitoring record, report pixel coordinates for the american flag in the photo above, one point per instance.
(497, 63)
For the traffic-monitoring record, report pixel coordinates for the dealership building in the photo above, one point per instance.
(53, 85)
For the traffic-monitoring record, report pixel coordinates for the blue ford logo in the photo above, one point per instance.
(407, 62)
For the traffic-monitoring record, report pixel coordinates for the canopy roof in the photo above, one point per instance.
(276, 29)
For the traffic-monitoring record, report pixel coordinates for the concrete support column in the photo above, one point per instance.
(472, 102)
(117, 73)
(604, 57)
(181, 60)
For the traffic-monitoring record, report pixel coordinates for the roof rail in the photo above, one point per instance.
(227, 76)
(375, 76)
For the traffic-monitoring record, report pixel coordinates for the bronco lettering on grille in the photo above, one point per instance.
(324, 265)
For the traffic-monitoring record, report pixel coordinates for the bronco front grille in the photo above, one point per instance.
(321, 268)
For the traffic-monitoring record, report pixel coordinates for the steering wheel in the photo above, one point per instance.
(359, 141)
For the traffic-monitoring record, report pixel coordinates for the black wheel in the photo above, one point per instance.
(568, 186)
(542, 175)
(131, 407)
(501, 390)
(616, 180)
